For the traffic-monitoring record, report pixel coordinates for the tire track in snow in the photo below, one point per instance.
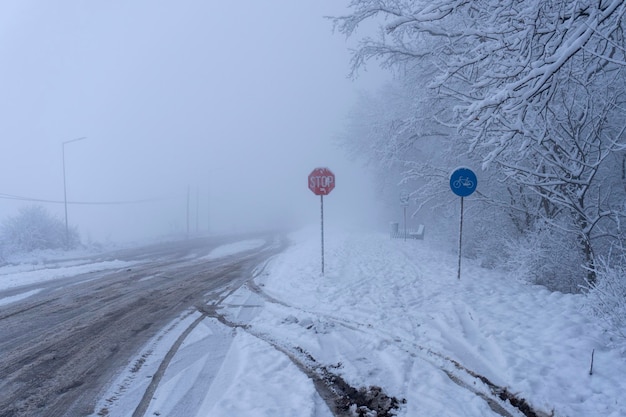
(158, 376)
(342, 399)
(499, 398)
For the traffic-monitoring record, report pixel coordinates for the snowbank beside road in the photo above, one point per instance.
(68, 264)
(235, 248)
(11, 277)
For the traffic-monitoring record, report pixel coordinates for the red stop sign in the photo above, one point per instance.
(321, 181)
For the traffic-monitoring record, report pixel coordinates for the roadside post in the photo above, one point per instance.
(404, 201)
(463, 183)
(322, 182)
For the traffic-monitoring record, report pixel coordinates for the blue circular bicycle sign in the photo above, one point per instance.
(463, 181)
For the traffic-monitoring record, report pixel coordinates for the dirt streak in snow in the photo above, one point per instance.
(342, 399)
(496, 397)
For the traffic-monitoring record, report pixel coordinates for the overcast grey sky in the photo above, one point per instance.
(238, 100)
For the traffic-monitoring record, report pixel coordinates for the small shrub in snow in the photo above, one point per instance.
(607, 297)
(33, 228)
(548, 256)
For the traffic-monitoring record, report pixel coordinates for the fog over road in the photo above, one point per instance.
(60, 347)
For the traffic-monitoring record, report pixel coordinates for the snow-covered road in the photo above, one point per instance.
(68, 327)
(388, 314)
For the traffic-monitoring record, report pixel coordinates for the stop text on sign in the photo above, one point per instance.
(321, 181)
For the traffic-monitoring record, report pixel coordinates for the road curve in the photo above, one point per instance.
(60, 347)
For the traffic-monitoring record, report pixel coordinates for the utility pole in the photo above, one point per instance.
(188, 192)
(67, 229)
(208, 200)
(197, 209)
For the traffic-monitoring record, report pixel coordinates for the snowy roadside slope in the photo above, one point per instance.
(393, 314)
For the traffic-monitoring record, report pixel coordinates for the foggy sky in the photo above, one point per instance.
(236, 101)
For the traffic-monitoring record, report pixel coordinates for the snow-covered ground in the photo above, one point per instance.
(387, 313)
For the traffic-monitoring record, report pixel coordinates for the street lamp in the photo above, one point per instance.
(67, 230)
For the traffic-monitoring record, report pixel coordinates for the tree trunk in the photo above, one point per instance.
(585, 241)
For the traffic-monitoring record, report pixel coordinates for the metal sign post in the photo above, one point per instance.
(458, 275)
(463, 183)
(404, 223)
(322, 223)
(404, 201)
(322, 182)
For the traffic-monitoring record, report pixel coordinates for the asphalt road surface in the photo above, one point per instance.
(61, 347)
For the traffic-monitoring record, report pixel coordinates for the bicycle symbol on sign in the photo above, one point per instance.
(463, 182)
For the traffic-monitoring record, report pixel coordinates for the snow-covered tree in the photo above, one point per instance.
(607, 298)
(34, 228)
(535, 90)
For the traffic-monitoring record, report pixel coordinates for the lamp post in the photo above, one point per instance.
(67, 230)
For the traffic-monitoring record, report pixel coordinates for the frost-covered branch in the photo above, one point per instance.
(535, 90)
